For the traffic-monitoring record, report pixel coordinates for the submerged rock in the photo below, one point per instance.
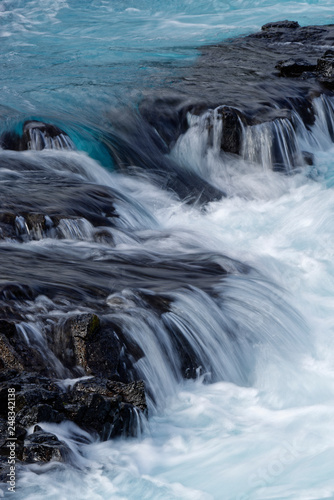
(98, 405)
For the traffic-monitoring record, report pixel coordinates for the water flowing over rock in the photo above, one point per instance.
(235, 86)
(109, 299)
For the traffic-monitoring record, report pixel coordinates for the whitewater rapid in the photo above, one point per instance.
(271, 434)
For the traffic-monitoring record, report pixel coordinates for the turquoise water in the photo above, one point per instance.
(83, 56)
(269, 437)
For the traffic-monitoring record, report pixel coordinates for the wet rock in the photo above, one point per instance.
(82, 330)
(106, 406)
(232, 129)
(41, 413)
(9, 359)
(160, 303)
(325, 65)
(325, 69)
(36, 136)
(85, 345)
(81, 342)
(308, 158)
(104, 236)
(10, 140)
(12, 291)
(280, 24)
(43, 446)
(16, 353)
(294, 67)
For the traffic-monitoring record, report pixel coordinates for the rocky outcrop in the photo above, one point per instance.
(36, 136)
(41, 446)
(248, 81)
(82, 342)
(98, 405)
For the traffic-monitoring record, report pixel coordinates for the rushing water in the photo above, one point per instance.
(263, 428)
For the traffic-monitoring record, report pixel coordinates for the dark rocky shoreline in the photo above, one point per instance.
(250, 80)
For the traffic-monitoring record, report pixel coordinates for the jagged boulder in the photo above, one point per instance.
(294, 67)
(96, 348)
(15, 352)
(41, 446)
(325, 69)
(97, 404)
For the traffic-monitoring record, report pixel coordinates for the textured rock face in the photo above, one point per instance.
(43, 446)
(98, 405)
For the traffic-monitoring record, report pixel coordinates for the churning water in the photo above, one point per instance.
(257, 423)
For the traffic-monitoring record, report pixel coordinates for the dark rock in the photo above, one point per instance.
(9, 359)
(104, 236)
(43, 446)
(16, 353)
(39, 135)
(280, 24)
(106, 406)
(16, 291)
(160, 303)
(96, 348)
(36, 136)
(325, 65)
(325, 70)
(232, 129)
(294, 67)
(40, 413)
(308, 158)
(82, 330)
(81, 342)
(328, 83)
(10, 140)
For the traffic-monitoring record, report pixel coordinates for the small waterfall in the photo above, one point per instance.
(280, 145)
(31, 332)
(274, 145)
(221, 335)
(39, 139)
(323, 129)
(75, 229)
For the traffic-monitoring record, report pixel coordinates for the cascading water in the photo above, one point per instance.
(226, 307)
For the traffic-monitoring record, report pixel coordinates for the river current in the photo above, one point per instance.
(263, 428)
